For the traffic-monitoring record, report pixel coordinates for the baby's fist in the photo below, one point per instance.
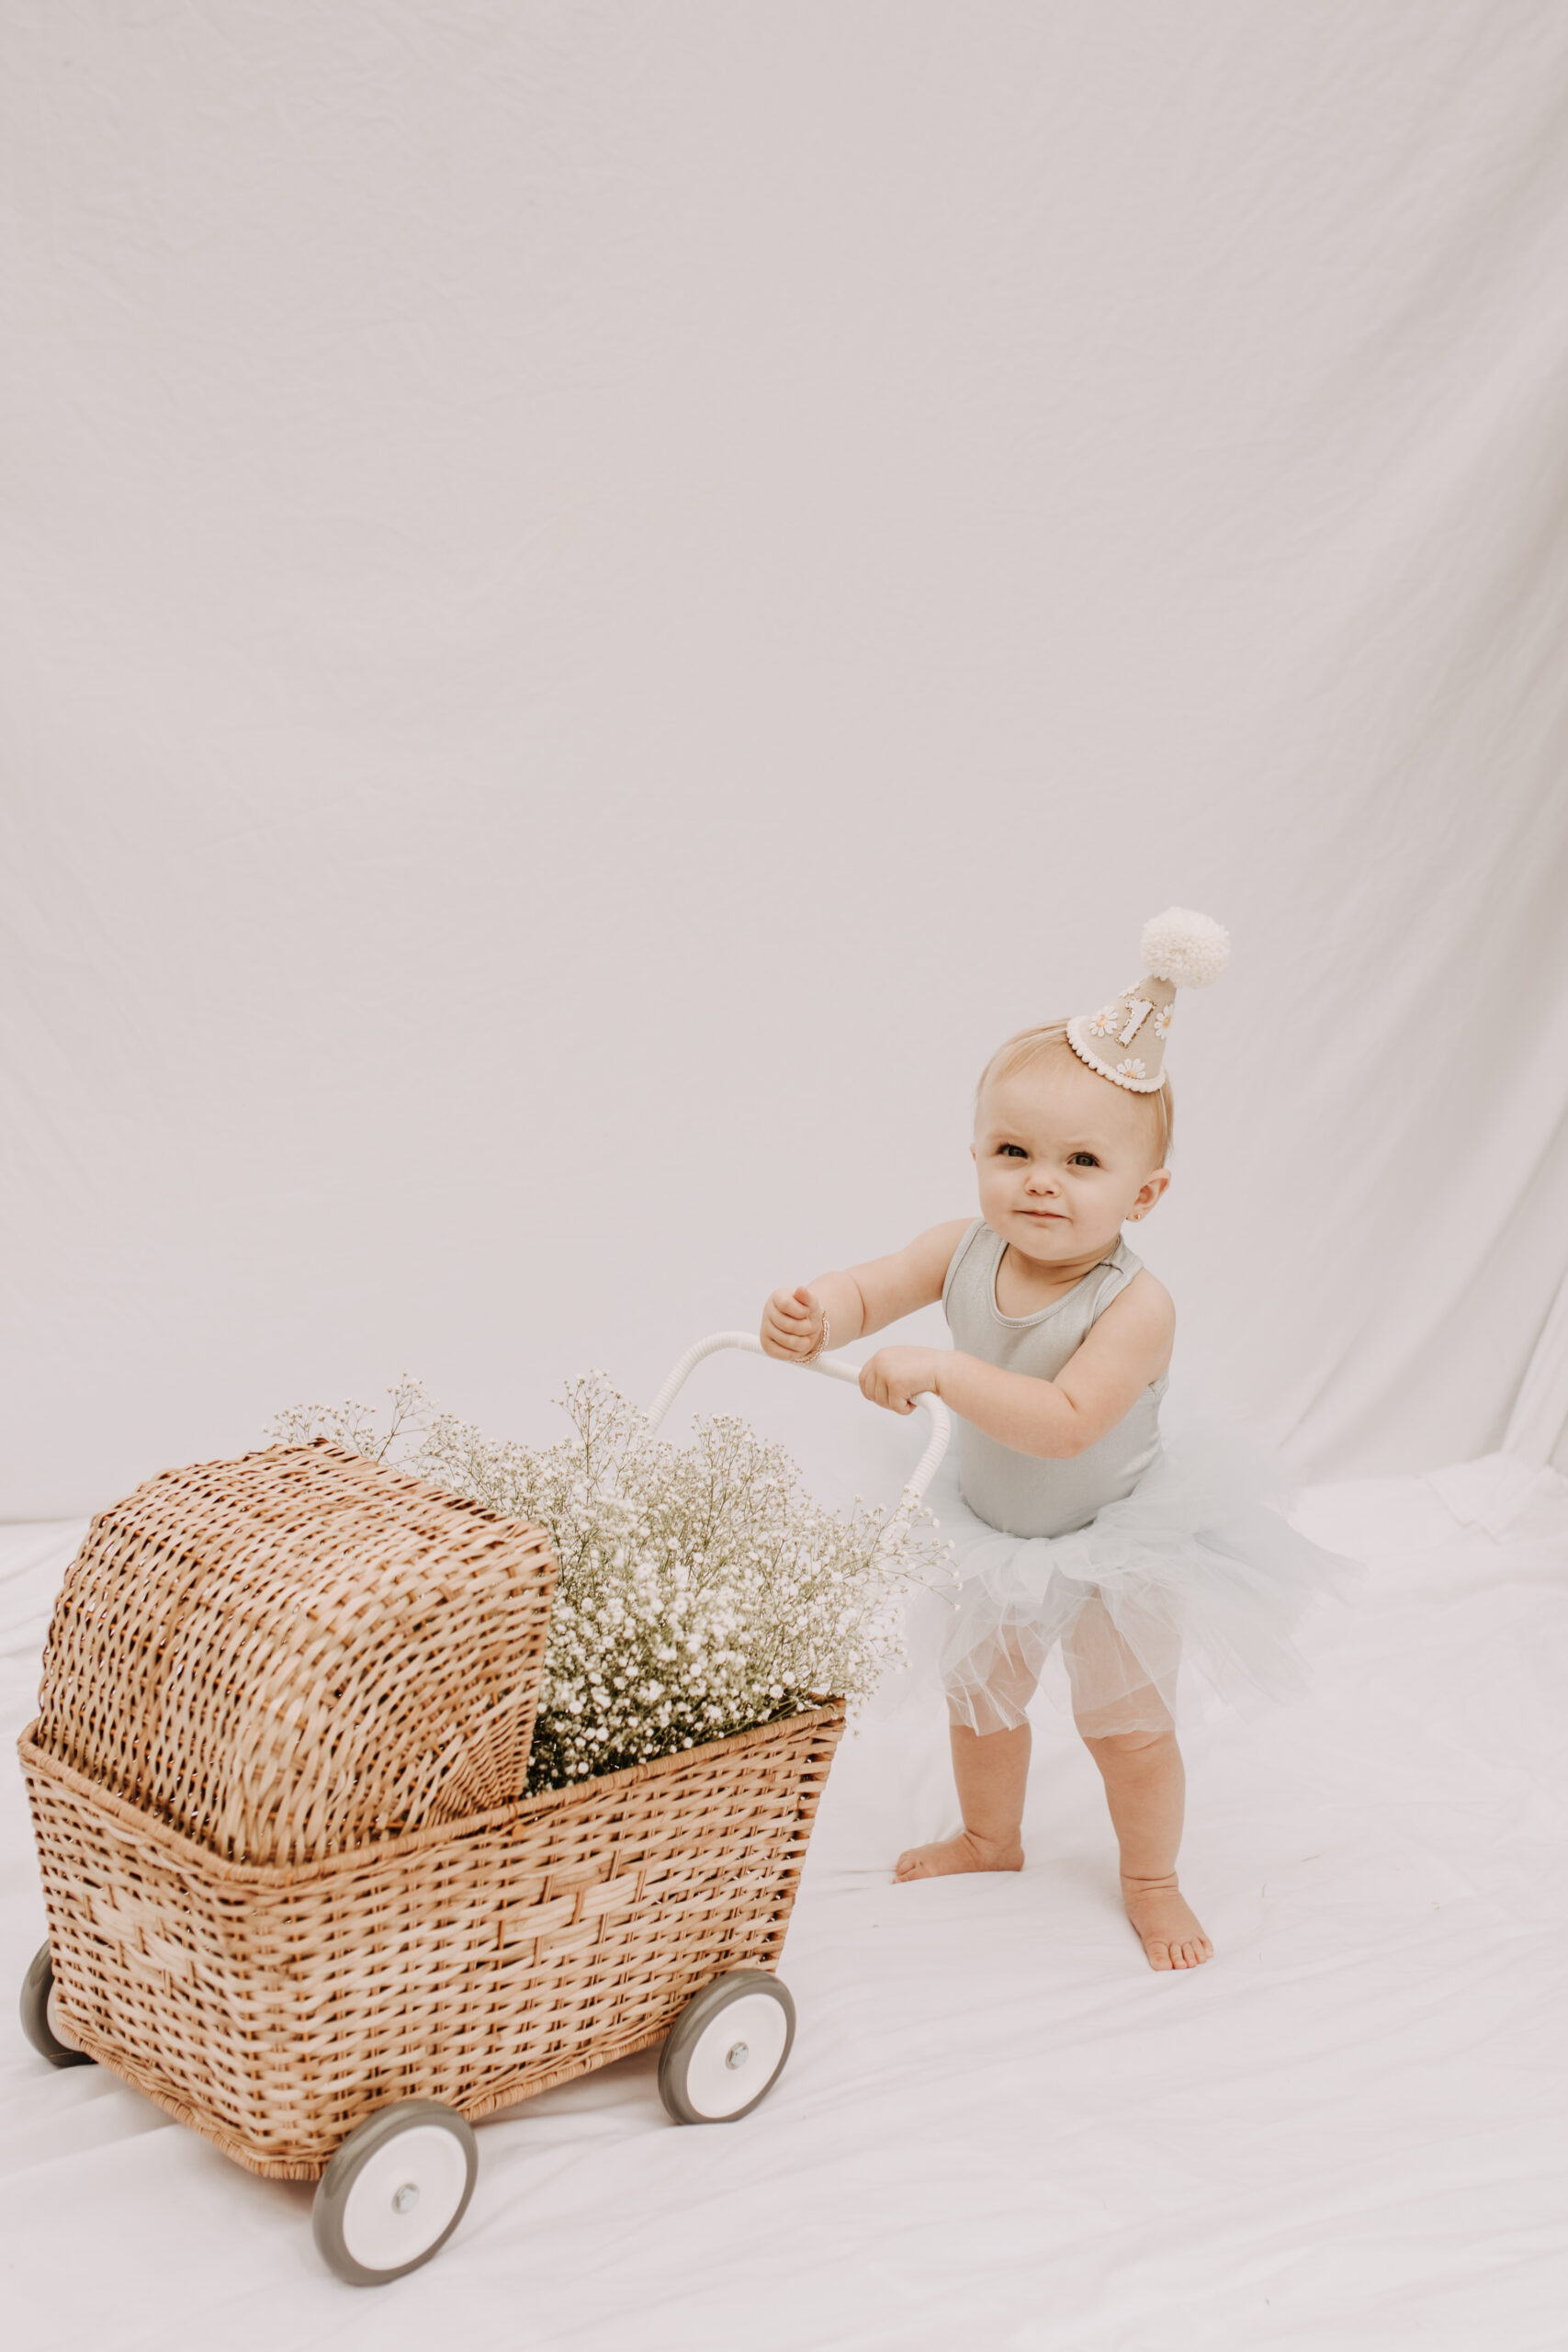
(791, 1323)
(894, 1377)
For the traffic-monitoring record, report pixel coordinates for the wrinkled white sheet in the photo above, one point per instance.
(998, 2128)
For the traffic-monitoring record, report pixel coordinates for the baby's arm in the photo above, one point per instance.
(861, 1299)
(1053, 1419)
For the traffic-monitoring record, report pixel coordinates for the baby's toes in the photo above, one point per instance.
(1159, 1955)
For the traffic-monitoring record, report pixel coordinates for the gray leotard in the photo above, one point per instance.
(1014, 1491)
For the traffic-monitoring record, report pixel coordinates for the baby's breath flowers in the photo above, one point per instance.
(702, 1590)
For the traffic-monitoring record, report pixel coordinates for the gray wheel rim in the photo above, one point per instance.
(37, 1987)
(693, 2022)
(334, 2189)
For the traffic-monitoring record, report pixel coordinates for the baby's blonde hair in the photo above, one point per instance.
(1050, 1037)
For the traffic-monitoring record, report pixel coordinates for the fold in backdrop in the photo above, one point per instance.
(600, 599)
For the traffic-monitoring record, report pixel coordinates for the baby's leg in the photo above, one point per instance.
(1132, 1739)
(1145, 1787)
(991, 1773)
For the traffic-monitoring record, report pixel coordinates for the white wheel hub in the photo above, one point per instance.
(737, 2055)
(403, 2196)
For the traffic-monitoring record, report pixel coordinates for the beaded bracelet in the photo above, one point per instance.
(817, 1351)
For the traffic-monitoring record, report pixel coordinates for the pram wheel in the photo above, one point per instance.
(42, 2020)
(394, 2192)
(726, 2049)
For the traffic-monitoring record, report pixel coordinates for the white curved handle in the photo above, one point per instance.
(835, 1367)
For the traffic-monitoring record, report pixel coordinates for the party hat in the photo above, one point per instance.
(1124, 1041)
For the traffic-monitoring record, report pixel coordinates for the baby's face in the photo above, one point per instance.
(1063, 1158)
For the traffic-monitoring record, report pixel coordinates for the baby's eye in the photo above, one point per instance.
(1017, 1150)
(1086, 1159)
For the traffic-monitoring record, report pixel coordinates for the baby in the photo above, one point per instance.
(1071, 1522)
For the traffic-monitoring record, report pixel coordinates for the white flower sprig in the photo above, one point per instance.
(701, 1592)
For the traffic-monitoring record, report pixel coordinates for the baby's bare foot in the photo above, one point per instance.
(1162, 1918)
(961, 1854)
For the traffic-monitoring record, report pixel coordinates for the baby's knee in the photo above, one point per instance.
(1115, 1745)
(999, 1704)
(1128, 1724)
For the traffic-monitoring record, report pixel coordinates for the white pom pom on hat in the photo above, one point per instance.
(1124, 1041)
(1188, 949)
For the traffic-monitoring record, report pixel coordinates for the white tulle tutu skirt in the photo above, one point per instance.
(1187, 1591)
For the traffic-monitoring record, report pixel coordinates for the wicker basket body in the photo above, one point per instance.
(276, 2007)
(276, 2003)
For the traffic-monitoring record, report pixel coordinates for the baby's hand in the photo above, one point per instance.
(896, 1376)
(791, 1323)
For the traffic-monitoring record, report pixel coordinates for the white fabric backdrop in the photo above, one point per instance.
(600, 599)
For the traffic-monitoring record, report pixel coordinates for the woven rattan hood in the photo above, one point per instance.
(298, 1652)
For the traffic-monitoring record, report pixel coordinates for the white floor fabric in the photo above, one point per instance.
(998, 2128)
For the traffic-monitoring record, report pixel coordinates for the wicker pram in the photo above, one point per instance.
(295, 1894)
